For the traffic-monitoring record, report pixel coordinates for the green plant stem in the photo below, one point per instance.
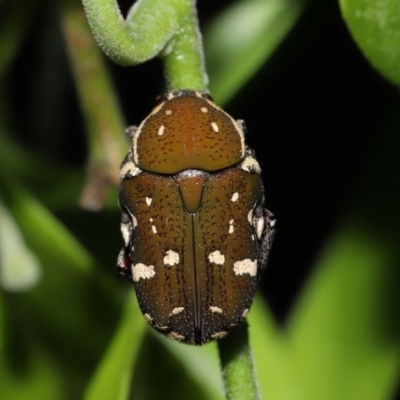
(104, 122)
(149, 26)
(237, 366)
(184, 62)
(152, 28)
(113, 375)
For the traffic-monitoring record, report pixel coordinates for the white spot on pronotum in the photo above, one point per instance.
(151, 219)
(129, 170)
(168, 112)
(204, 109)
(154, 229)
(259, 226)
(252, 237)
(142, 271)
(171, 258)
(161, 130)
(134, 221)
(245, 312)
(250, 216)
(177, 310)
(219, 335)
(176, 336)
(126, 231)
(215, 127)
(250, 164)
(238, 126)
(215, 309)
(245, 266)
(231, 228)
(272, 223)
(148, 318)
(148, 201)
(216, 257)
(235, 197)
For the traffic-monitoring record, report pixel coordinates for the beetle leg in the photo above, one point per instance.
(126, 226)
(124, 264)
(124, 261)
(130, 131)
(267, 237)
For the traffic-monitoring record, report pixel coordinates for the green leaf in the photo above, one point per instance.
(26, 374)
(115, 371)
(39, 378)
(45, 231)
(339, 339)
(200, 363)
(375, 26)
(19, 267)
(276, 375)
(240, 40)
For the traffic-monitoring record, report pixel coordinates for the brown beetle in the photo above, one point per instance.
(196, 235)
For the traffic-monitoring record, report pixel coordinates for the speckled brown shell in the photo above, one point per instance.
(188, 132)
(196, 235)
(199, 297)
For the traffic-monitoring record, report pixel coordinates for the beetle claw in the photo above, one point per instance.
(124, 264)
(130, 131)
(266, 238)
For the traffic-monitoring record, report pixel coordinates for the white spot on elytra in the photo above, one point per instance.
(154, 229)
(142, 271)
(148, 201)
(148, 318)
(250, 164)
(168, 112)
(250, 217)
(216, 257)
(204, 109)
(235, 197)
(259, 226)
(231, 228)
(176, 336)
(219, 335)
(245, 266)
(215, 309)
(272, 223)
(134, 221)
(171, 258)
(129, 170)
(252, 237)
(161, 327)
(177, 310)
(161, 130)
(215, 127)
(245, 312)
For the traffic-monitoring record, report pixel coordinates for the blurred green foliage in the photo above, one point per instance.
(69, 329)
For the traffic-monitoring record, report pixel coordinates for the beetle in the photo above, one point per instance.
(196, 235)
